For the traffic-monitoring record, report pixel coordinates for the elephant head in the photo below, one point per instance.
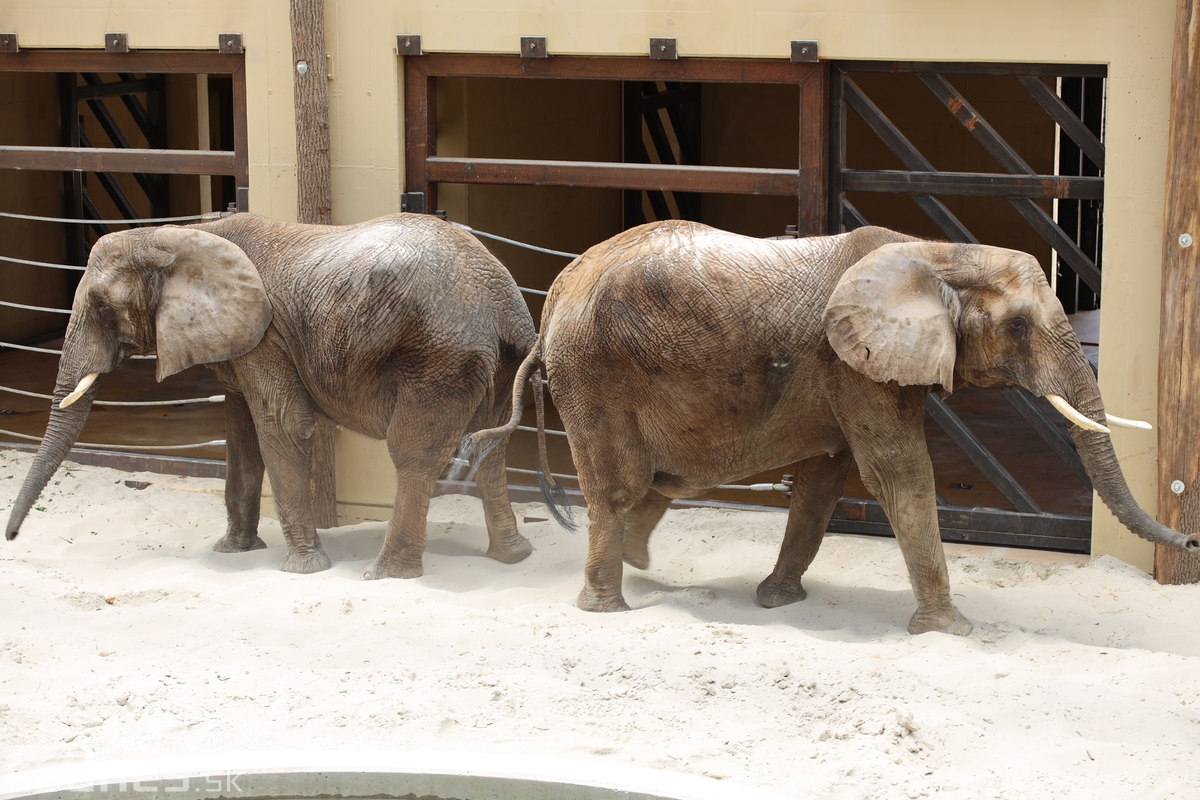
(921, 313)
(186, 295)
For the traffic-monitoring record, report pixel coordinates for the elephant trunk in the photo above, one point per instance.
(1100, 460)
(61, 434)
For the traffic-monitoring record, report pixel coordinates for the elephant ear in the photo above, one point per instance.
(893, 319)
(212, 305)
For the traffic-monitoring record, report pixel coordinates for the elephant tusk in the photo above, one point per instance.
(80, 390)
(1070, 412)
(1121, 422)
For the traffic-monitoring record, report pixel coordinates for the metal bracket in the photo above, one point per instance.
(804, 51)
(230, 43)
(412, 202)
(408, 44)
(243, 198)
(116, 42)
(8, 43)
(663, 49)
(534, 47)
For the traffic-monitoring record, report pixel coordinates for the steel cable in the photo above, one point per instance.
(132, 447)
(216, 398)
(150, 220)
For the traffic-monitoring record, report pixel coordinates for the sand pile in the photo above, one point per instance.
(124, 635)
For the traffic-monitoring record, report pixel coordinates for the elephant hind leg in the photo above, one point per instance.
(816, 486)
(639, 524)
(422, 436)
(505, 542)
(615, 475)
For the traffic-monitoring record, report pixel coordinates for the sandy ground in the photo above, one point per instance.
(123, 635)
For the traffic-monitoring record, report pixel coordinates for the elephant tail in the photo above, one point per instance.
(476, 445)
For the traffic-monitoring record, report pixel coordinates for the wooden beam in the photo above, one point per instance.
(190, 61)
(686, 70)
(1179, 343)
(118, 159)
(813, 183)
(973, 184)
(613, 175)
(314, 196)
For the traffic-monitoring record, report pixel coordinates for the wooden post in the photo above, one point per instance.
(1179, 347)
(312, 111)
(314, 202)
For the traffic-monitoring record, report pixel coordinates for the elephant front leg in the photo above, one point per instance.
(885, 426)
(243, 481)
(816, 486)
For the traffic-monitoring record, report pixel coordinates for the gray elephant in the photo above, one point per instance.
(404, 328)
(681, 357)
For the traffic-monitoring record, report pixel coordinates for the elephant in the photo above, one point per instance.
(404, 328)
(682, 357)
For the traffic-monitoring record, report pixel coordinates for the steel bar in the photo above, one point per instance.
(853, 219)
(185, 466)
(118, 138)
(610, 175)
(118, 159)
(973, 184)
(141, 115)
(1060, 442)
(973, 68)
(980, 456)
(90, 211)
(1061, 113)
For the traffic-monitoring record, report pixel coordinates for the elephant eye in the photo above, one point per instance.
(1018, 326)
(104, 312)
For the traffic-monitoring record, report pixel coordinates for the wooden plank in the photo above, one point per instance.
(188, 61)
(118, 159)
(715, 70)
(1061, 113)
(973, 184)
(1179, 344)
(977, 68)
(611, 175)
(241, 129)
(420, 126)
(814, 148)
(836, 133)
(311, 92)
(980, 455)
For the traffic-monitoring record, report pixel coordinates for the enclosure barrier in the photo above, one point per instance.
(357, 775)
(784, 487)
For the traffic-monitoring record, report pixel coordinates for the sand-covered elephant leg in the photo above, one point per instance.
(639, 524)
(283, 416)
(885, 425)
(816, 486)
(422, 437)
(243, 479)
(614, 474)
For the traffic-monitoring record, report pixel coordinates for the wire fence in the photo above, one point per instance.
(757, 487)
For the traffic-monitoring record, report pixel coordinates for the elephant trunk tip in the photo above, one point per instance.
(12, 529)
(1191, 544)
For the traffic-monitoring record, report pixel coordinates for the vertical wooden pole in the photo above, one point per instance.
(314, 202)
(1179, 346)
(814, 150)
(312, 111)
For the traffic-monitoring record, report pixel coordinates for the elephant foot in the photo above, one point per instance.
(511, 550)
(238, 544)
(305, 561)
(774, 592)
(944, 620)
(591, 601)
(393, 568)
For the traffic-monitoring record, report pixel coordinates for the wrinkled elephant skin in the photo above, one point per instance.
(404, 329)
(681, 357)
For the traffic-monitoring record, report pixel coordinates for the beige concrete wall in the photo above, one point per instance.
(1133, 37)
